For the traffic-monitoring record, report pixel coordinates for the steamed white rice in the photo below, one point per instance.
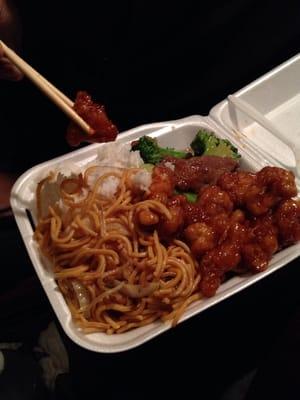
(118, 155)
(111, 157)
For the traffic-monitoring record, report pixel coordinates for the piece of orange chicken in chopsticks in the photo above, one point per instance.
(103, 129)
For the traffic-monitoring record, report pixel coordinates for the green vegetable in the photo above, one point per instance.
(152, 153)
(191, 197)
(148, 167)
(206, 143)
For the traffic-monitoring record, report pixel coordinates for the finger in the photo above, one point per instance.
(9, 71)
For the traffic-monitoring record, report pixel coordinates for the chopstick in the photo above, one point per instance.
(59, 98)
(253, 113)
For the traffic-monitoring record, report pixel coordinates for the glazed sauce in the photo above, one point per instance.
(95, 116)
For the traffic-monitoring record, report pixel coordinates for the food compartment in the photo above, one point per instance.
(177, 134)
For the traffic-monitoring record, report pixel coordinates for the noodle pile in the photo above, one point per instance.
(114, 277)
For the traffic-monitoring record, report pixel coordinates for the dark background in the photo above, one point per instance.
(146, 61)
(155, 61)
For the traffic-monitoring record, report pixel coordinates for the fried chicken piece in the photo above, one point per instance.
(287, 219)
(263, 243)
(213, 201)
(259, 192)
(237, 185)
(94, 114)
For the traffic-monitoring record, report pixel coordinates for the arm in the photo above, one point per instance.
(10, 33)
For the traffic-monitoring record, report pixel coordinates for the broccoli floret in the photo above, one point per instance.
(190, 196)
(206, 143)
(152, 153)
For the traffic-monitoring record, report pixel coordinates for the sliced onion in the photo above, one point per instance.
(71, 185)
(138, 291)
(117, 227)
(82, 295)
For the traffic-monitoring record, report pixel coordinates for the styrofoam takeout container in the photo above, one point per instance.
(276, 95)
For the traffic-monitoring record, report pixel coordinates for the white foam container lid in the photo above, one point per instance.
(276, 95)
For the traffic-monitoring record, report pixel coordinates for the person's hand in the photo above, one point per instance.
(6, 183)
(10, 33)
